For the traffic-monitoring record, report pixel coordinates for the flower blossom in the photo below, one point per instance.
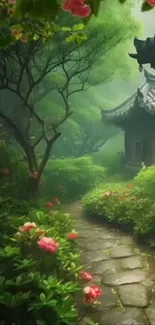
(28, 226)
(86, 276)
(73, 235)
(48, 244)
(77, 8)
(91, 293)
(49, 205)
(151, 2)
(12, 2)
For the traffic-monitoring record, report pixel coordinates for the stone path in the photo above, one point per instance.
(125, 271)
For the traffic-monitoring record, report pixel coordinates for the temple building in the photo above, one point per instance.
(136, 116)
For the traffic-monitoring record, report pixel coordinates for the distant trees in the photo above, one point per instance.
(31, 70)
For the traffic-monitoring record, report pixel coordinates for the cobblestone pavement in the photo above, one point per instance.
(125, 271)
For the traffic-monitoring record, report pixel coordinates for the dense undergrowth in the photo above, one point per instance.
(130, 206)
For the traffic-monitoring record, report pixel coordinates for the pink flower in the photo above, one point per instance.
(12, 2)
(28, 226)
(48, 244)
(73, 235)
(151, 2)
(91, 293)
(77, 8)
(86, 276)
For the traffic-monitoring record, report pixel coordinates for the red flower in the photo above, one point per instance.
(73, 235)
(57, 200)
(28, 226)
(5, 171)
(77, 8)
(91, 293)
(12, 2)
(48, 244)
(15, 33)
(151, 2)
(49, 205)
(86, 276)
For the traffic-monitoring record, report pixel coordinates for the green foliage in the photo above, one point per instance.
(145, 181)
(33, 20)
(123, 205)
(37, 284)
(76, 175)
(16, 182)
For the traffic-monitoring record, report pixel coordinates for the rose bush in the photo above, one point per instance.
(40, 271)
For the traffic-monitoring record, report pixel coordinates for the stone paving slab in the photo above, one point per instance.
(124, 277)
(121, 269)
(102, 267)
(95, 256)
(121, 316)
(131, 263)
(133, 295)
(121, 251)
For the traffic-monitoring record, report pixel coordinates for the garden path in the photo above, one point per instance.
(124, 270)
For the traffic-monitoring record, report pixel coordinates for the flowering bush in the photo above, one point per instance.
(40, 271)
(123, 205)
(29, 20)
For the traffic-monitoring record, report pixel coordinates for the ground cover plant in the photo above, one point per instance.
(127, 205)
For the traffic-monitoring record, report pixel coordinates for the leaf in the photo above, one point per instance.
(42, 297)
(122, 1)
(70, 39)
(146, 6)
(40, 322)
(2, 280)
(78, 27)
(18, 279)
(66, 29)
(36, 37)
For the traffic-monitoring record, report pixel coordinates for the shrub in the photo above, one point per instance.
(76, 175)
(113, 162)
(37, 286)
(123, 205)
(145, 181)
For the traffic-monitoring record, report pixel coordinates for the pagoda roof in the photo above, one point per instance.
(143, 98)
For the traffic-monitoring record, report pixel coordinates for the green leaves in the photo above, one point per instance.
(146, 6)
